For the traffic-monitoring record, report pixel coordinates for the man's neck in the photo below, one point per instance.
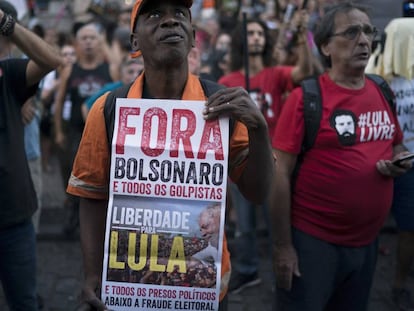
(166, 84)
(255, 65)
(90, 62)
(347, 80)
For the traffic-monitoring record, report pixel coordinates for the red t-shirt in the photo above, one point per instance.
(268, 89)
(339, 195)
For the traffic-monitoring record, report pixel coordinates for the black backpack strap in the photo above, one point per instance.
(312, 105)
(385, 89)
(109, 109)
(210, 87)
(312, 115)
(312, 111)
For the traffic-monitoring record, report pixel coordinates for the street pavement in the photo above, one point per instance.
(60, 270)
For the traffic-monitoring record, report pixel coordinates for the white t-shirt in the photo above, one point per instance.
(48, 84)
(404, 93)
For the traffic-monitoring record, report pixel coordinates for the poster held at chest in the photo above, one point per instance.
(165, 220)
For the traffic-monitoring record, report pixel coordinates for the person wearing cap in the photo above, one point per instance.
(162, 32)
(19, 80)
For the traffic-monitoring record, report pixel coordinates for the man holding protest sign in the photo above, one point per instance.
(163, 33)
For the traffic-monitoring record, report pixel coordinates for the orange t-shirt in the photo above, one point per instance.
(90, 173)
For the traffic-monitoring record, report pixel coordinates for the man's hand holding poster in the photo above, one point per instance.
(165, 221)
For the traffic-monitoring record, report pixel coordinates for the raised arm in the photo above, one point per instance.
(43, 57)
(59, 102)
(304, 66)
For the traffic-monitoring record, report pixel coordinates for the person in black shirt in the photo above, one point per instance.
(19, 80)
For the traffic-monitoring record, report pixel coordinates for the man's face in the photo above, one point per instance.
(345, 128)
(51, 36)
(124, 19)
(344, 125)
(131, 71)
(223, 42)
(255, 39)
(282, 4)
(208, 225)
(349, 52)
(88, 40)
(69, 54)
(163, 32)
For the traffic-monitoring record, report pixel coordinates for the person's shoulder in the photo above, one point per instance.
(399, 82)
(110, 86)
(104, 64)
(99, 104)
(325, 81)
(10, 63)
(374, 81)
(296, 94)
(280, 74)
(230, 77)
(278, 69)
(15, 71)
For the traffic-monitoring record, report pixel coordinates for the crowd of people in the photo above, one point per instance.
(329, 196)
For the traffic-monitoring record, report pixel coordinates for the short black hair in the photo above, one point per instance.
(122, 34)
(79, 25)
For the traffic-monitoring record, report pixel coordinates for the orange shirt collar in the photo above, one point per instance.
(192, 91)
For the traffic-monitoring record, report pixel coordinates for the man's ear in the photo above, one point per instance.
(134, 42)
(325, 49)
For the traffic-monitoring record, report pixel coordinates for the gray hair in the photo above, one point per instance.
(326, 27)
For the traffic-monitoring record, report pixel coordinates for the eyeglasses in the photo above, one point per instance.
(353, 31)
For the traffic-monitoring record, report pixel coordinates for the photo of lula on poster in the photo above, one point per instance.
(165, 220)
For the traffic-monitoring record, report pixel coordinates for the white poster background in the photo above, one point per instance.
(160, 183)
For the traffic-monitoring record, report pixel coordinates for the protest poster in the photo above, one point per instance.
(165, 219)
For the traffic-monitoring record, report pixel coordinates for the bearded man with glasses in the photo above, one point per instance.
(327, 218)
